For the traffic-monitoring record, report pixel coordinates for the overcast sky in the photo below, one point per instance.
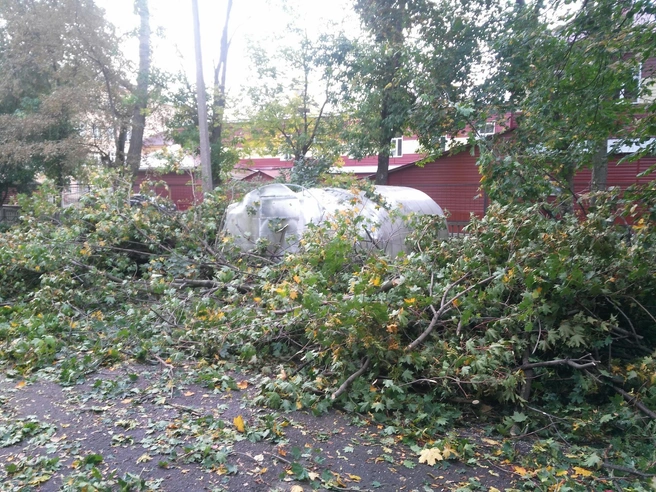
(250, 19)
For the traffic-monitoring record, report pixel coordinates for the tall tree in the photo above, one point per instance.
(292, 109)
(138, 123)
(47, 87)
(205, 163)
(574, 84)
(381, 70)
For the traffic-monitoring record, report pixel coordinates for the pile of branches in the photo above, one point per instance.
(528, 307)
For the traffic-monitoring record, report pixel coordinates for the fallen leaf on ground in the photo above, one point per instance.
(430, 456)
(144, 457)
(239, 423)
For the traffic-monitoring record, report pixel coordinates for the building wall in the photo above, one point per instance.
(176, 187)
(454, 181)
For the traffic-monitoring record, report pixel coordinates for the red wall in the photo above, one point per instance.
(453, 181)
(178, 188)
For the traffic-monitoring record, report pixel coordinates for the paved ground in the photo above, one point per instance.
(174, 435)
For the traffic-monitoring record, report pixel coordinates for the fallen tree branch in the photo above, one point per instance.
(634, 401)
(181, 283)
(626, 469)
(445, 307)
(575, 363)
(350, 379)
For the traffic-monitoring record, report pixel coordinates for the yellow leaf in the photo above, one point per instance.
(297, 279)
(355, 478)
(313, 475)
(582, 471)
(293, 294)
(239, 423)
(412, 300)
(375, 281)
(144, 457)
(242, 385)
(448, 451)
(189, 393)
(430, 456)
(297, 488)
(20, 385)
(520, 470)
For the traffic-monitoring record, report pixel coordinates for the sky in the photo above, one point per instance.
(250, 19)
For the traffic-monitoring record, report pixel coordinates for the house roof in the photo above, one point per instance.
(241, 174)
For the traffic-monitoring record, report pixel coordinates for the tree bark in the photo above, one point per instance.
(600, 167)
(205, 162)
(120, 145)
(139, 112)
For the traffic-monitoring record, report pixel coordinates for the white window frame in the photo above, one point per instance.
(483, 129)
(396, 147)
(638, 78)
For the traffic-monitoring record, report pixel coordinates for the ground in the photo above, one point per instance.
(154, 427)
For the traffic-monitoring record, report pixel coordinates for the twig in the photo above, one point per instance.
(350, 379)
(643, 308)
(163, 362)
(628, 320)
(186, 409)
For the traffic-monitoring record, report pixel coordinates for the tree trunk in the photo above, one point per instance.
(120, 145)
(205, 163)
(219, 100)
(139, 112)
(387, 133)
(600, 167)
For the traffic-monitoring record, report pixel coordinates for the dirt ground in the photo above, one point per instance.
(151, 428)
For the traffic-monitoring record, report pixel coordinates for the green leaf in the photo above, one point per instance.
(593, 461)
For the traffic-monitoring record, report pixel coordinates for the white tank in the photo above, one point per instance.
(280, 214)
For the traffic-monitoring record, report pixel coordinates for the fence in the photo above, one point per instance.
(456, 228)
(9, 213)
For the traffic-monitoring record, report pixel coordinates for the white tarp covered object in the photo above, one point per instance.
(280, 214)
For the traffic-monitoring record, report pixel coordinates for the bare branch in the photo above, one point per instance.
(445, 307)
